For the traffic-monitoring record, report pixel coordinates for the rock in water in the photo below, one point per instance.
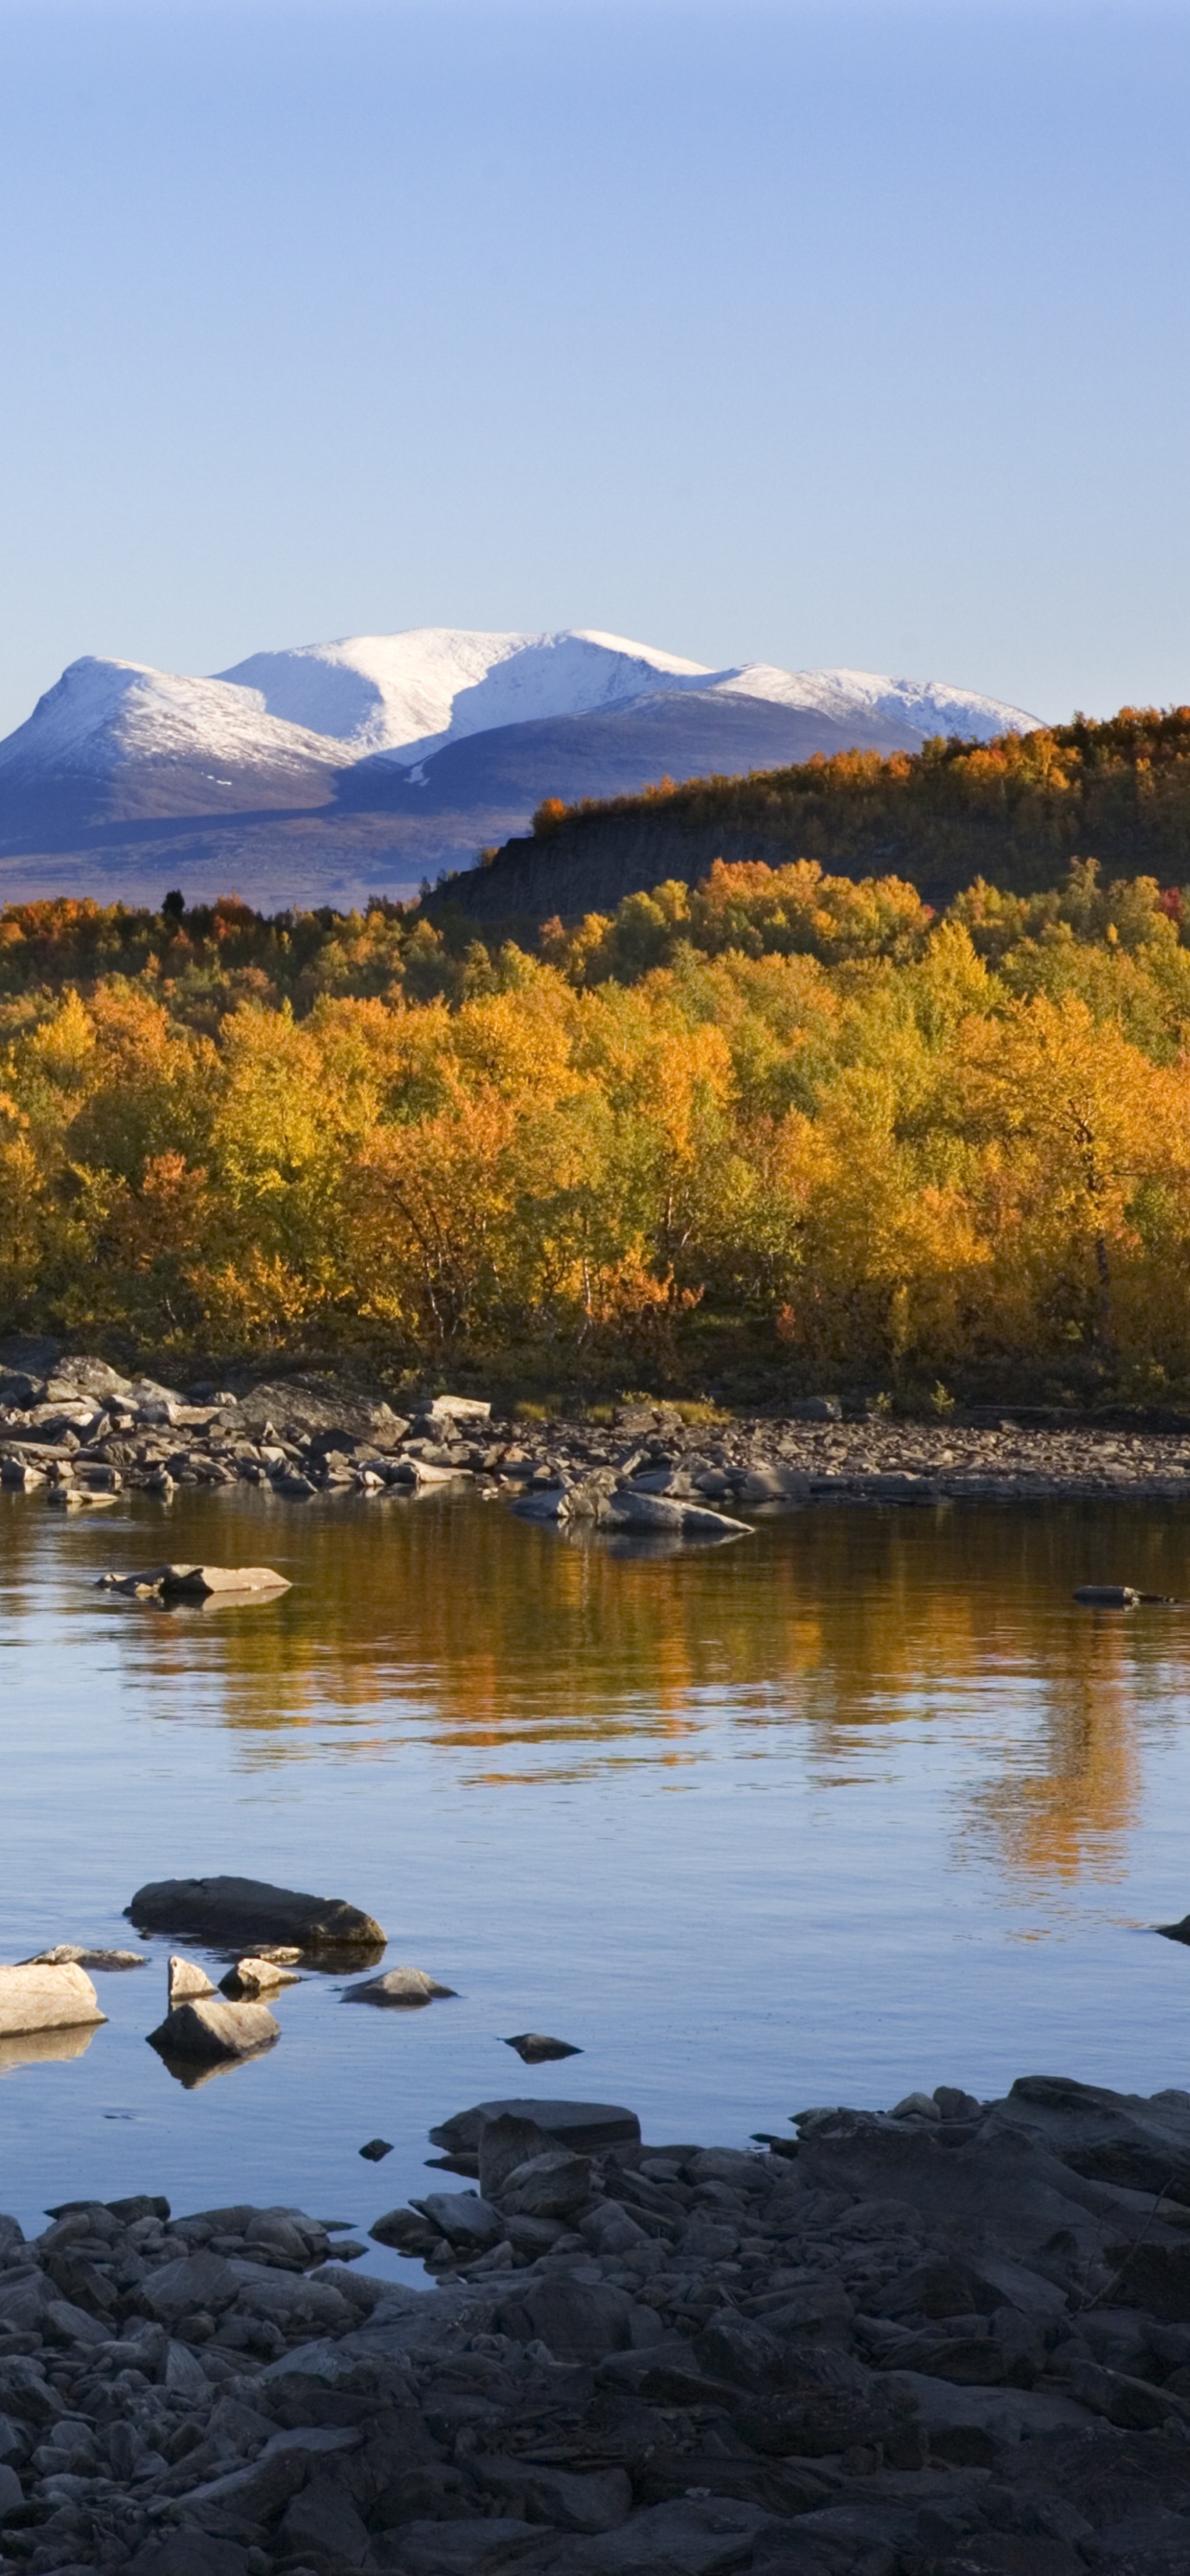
(207, 2029)
(34, 1997)
(251, 1977)
(534, 2049)
(376, 2150)
(249, 1910)
(187, 1982)
(194, 1582)
(1107, 1596)
(588, 2127)
(69, 1954)
(398, 1987)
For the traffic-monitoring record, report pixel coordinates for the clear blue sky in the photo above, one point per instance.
(834, 333)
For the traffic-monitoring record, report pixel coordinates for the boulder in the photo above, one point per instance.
(398, 1989)
(250, 1911)
(208, 2030)
(588, 2127)
(186, 1982)
(553, 2185)
(40, 1996)
(1108, 1596)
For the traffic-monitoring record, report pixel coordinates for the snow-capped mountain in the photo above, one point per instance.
(126, 737)
(409, 694)
(331, 771)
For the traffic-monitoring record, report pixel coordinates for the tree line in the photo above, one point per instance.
(783, 1124)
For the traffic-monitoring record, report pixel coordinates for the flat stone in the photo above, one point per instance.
(68, 1954)
(398, 1988)
(208, 2030)
(534, 2049)
(587, 2127)
(188, 2283)
(250, 1910)
(195, 1582)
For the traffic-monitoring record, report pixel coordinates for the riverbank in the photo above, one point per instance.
(78, 1429)
(949, 2340)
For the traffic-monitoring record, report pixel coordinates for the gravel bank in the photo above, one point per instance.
(79, 1433)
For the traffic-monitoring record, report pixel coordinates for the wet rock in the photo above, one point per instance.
(69, 1954)
(1108, 1596)
(37, 1997)
(207, 2030)
(587, 2127)
(534, 2049)
(397, 1989)
(250, 1911)
(376, 2150)
(463, 2218)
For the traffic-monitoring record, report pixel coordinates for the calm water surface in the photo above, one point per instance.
(859, 1803)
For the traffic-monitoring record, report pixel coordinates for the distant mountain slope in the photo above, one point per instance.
(334, 771)
(117, 741)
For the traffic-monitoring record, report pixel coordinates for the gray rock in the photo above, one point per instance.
(399, 1988)
(206, 2030)
(695, 2537)
(457, 2548)
(578, 2320)
(534, 2049)
(463, 2218)
(1108, 1596)
(12, 2494)
(587, 2127)
(190, 2282)
(552, 2185)
(249, 1912)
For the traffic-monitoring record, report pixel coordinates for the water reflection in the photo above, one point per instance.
(473, 1632)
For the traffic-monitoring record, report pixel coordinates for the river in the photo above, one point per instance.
(860, 1803)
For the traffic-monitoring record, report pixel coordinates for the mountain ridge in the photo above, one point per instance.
(429, 744)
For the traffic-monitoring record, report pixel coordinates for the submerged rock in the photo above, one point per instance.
(194, 1582)
(534, 2049)
(68, 1954)
(250, 1910)
(397, 1988)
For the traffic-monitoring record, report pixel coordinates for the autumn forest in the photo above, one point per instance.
(789, 1124)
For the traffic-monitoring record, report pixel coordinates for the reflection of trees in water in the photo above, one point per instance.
(1064, 1803)
(462, 1628)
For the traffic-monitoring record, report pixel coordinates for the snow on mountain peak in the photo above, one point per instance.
(102, 714)
(408, 694)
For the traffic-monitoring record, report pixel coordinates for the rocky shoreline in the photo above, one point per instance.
(79, 1433)
(948, 2340)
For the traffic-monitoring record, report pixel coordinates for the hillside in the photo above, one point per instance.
(1015, 810)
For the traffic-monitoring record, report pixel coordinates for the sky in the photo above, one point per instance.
(760, 330)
